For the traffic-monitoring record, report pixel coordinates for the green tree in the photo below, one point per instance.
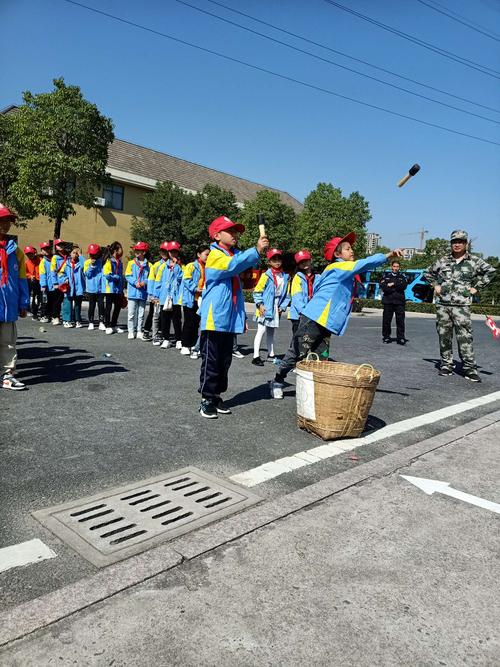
(280, 221)
(61, 142)
(328, 213)
(491, 293)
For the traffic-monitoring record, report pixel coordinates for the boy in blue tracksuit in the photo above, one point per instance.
(136, 275)
(70, 274)
(14, 299)
(222, 310)
(193, 283)
(301, 287)
(152, 326)
(329, 309)
(47, 285)
(92, 272)
(271, 298)
(168, 286)
(59, 258)
(113, 283)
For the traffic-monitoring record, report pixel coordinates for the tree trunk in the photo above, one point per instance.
(57, 227)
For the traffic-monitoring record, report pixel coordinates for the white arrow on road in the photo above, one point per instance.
(431, 486)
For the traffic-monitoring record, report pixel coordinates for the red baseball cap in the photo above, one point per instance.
(273, 253)
(141, 245)
(44, 244)
(29, 249)
(222, 224)
(59, 242)
(93, 249)
(302, 255)
(6, 213)
(173, 245)
(165, 245)
(332, 244)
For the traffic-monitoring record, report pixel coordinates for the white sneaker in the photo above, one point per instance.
(194, 355)
(67, 325)
(157, 341)
(185, 351)
(140, 336)
(237, 354)
(165, 345)
(78, 325)
(131, 336)
(91, 326)
(55, 321)
(102, 326)
(178, 345)
(118, 330)
(276, 389)
(10, 382)
(110, 330)
(44, 319)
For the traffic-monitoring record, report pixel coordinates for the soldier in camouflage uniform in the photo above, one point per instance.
(455, 278)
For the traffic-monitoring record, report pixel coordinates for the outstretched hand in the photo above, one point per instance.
(394, 253)
(262, 244)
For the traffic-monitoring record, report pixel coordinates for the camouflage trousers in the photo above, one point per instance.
(458, 318)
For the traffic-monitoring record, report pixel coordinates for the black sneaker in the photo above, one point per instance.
(221, 407)
(401, 341)
(386, 340)
(147, 335)
(445, 371)
(257, 361)
(10, 382)
(472, 375)
(208, 409)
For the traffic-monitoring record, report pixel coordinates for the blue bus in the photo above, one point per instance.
(418, 290)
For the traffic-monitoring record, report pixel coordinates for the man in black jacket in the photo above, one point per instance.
(393, 285)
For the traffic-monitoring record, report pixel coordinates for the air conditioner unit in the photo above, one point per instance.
(99, 201)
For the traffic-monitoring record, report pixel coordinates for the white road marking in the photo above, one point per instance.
(24, 553)
(431, 486)
(273, 469)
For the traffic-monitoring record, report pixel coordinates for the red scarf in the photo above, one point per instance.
(141, 269)
(235, 281)
(4, 263)
(73, 266)
(310, 285)
(276, 273)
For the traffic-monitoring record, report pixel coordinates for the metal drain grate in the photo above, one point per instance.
(124, 521)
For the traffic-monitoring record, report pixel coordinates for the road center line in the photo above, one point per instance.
(273, 469)
(24, 553)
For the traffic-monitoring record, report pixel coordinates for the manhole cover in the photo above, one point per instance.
(124, 521)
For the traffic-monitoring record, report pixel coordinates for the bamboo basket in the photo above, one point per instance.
(333, 398)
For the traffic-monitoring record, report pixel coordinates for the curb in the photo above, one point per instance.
(34, 615)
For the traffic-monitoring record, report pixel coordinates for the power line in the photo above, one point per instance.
(345, 55)
(426, 45)
(335, 64)
(278, 75)
(454, 18)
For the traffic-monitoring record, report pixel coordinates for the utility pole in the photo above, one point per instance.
(422, 232)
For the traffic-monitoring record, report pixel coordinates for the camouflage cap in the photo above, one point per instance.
(459, 235)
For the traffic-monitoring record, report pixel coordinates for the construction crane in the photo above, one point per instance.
(421, 232)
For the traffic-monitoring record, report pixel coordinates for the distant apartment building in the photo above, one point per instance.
(372, 242)
(409, 253)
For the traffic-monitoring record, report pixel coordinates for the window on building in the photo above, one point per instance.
(113, 194)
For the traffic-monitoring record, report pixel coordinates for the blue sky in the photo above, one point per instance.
(197, 106)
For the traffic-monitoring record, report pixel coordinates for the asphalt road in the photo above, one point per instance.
(90, 422)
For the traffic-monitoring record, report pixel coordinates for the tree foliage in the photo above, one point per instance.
(327, 213)
(280, 221)
(61, 150)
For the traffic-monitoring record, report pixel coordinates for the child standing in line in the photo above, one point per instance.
(14, 299)
(33, 276)
(222, 310)
(74, 279)
(112, 272)
(47, 286)
(92, 271)
(154, 317)
(272, 299)
(168, 281)
(59, 257)
(329, 309)
(302, 286)
(136, 275)
(192, 287)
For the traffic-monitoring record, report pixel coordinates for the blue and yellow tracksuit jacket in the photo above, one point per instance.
(192, 275)
(14, 295)
(93, 276)
(55, 265)
(134, 269)
(168, 281)
(112, 273)
(265, 292)
(73, 275)
(152, 280)
(46, 278)
(221, 310)
(299, 292)
(331, 304)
